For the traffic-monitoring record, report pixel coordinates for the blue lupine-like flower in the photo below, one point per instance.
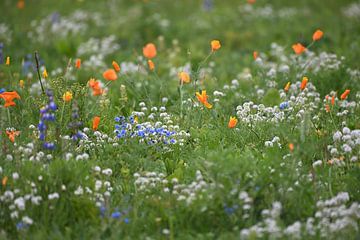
(2, 90)
(284, 105)
(116, 215)
(126, 220)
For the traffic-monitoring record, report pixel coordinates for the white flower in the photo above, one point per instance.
(15, 176)
(107, 172)
(27, 220)
(20, 203)
(53, 196)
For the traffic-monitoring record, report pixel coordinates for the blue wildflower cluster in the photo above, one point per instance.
(146, 132)
(115, 214)
(76, 124)
(47, 114)
(284, 105)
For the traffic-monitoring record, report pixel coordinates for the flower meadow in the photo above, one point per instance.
(155, 119)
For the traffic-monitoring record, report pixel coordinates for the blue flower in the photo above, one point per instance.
(116, 215)
(284, 105)
(2, 90)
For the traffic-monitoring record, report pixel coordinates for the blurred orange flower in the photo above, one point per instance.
(255, 55)
(184, 77)
(151, 65)
(95, 86)
(215, 45)
(20, 4)
(116, 66)
(4, 181)
(78, 63)
(95, 123)
(12, 134)
(333, 100)
(318, 34)
(7, 61)
(291, 147)
(110, 75)
(232, 122)
(202, 97)
(304, 83)
(298, 48)
(287, 86)
(149, 50)
(9, 98)
(345, 94)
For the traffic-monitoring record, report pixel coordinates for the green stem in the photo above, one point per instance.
(9, 117)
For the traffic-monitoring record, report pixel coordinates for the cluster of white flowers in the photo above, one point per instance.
(268, 12)
(251, 113)
(5, 33)
(345, 147)
(153, 184)
(103, 46)
(62, 27)
(332, 217)
(352, 10)
(275, 140)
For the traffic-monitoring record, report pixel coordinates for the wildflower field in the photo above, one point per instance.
(188, 119)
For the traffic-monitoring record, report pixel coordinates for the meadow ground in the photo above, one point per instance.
(191, 119)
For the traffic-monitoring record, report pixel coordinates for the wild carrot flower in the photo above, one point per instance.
(345, 94)
(184, 77)
(21, 83)
(287, 86)
(95, 86)
(9, 98)
(67, 96)
(110, 75)
(215, 45)
(149, 51)
(304, 83)
(232, 122)
(151, 65)
(298, 48)
(202, 97)
(318, 34)
(45, 74)
(95, 123)
(12, 133)
(116, 66)
(7, 61)
(255, 55)
(78, 63)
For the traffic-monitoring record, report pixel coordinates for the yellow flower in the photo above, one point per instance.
(67, 96)
(7, 61)
(45, 74)
(21, 83)
(215, 45)
(287, 86)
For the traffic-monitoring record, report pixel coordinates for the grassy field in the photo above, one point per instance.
(237, 139)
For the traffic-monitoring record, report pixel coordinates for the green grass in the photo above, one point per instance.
(230, 160)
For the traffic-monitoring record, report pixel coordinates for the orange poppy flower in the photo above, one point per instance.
(255, 55)
(345, 94)
(12, 134)
(9, 98)
(304, 83)
(215, 45)
(4, 181)
(95, 123)
(95, 86)
(116, 66)
(110, 75)
(202, 97)
(7, 61)
(287, 86)
(67, 97)
(20, 4)
(232, 122)
(149, 50)
(333, 100)
(298, 48)
(251, 1)
(78, 63)
(184, 77)
(151, 65)
(291, 147)
(318, 34)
